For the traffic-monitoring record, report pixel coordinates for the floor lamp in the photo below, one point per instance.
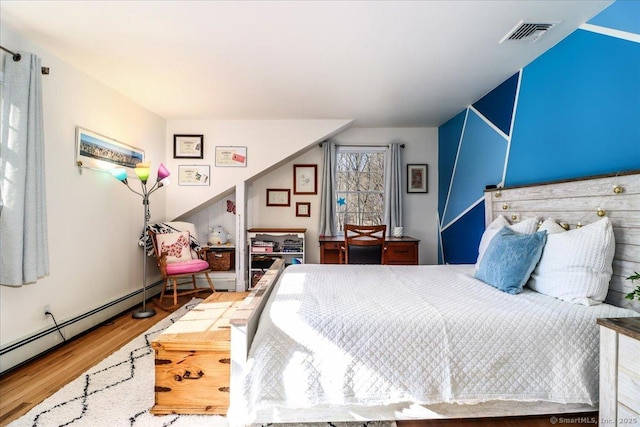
(142, 171)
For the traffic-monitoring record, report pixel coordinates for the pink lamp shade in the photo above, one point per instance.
(162, 172)
(143, 173)
(119, 173)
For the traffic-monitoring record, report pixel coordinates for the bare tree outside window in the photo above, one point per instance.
(359, 186)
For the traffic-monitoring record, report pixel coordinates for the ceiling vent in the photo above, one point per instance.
(528, 31)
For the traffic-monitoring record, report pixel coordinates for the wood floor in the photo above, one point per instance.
(26, 386)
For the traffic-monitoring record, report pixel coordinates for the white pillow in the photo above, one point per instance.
(576, 265)
(551, 226)
(177, 246)
(527, 226)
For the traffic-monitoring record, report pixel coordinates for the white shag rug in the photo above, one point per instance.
(118, 392)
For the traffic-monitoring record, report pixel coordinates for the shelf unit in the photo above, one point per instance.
(268, 244)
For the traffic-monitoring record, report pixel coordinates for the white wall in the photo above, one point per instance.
(268, 142)
(93, 220)
(420, 210)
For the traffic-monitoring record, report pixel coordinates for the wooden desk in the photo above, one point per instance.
(400, 250)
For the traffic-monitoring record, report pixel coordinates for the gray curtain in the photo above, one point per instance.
(327, 195)
(393, 187)
(23, 218)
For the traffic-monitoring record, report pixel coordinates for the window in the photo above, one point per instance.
(359, 185)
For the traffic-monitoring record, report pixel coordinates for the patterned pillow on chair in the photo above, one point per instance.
(176, 245)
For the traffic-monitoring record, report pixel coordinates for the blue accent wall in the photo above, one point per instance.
(466, 230)
(449, 136)
(498, 105)
(623, 15)
(479, 163)
(576, 114)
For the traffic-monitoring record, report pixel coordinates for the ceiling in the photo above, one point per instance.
(381, 63)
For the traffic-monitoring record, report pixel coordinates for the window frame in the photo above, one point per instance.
(342, 149)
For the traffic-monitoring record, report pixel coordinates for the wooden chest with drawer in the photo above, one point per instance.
(400, 250)
(192, 359)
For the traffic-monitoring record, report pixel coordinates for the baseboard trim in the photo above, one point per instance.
(30, 347)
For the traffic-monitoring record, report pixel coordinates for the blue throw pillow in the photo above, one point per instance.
(510, 259)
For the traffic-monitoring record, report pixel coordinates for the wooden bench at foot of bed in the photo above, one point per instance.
(192, 360)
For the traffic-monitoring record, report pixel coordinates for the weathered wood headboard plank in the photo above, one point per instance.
(578, 202)
(600, 184)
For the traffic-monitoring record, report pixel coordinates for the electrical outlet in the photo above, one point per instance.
(46, 309)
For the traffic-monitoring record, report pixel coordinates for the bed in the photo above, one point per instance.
(347, 342)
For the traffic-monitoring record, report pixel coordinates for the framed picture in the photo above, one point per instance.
(193, 174)
(188, 146)
(305, 179)
(303, 208)
(417, 179)
(231, 156)
(278, 197)
(100, 152)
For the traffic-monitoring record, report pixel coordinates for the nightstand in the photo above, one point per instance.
(619, 371)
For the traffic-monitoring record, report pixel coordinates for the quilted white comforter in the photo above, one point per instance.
(377, 335)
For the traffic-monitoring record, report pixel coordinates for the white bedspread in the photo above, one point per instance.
(377, 335)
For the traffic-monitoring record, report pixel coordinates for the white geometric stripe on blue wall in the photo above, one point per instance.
(480, 162)
(497, 106)
(449, 136)
(461, 239)
(623, 16)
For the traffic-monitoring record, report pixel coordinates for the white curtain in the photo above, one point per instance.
(327, 224)
(393, 187)
(23, 218)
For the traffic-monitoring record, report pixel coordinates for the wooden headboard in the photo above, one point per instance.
(580, 202)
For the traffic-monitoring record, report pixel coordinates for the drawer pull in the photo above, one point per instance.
(188, 376)
(226, 361)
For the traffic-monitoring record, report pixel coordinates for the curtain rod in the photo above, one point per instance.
(363, 145)
(17, 57)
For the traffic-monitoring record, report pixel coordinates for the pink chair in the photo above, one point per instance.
(177, 260)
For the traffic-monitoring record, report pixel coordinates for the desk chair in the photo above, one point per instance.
(363, 244)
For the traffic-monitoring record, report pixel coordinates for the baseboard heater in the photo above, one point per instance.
(27, 349)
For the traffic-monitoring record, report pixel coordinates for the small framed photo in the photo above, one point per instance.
(417, 179)
(278, 197)
(188, 146)
(231, 156)
(305, 179)
(303, 208)
(193, 174)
